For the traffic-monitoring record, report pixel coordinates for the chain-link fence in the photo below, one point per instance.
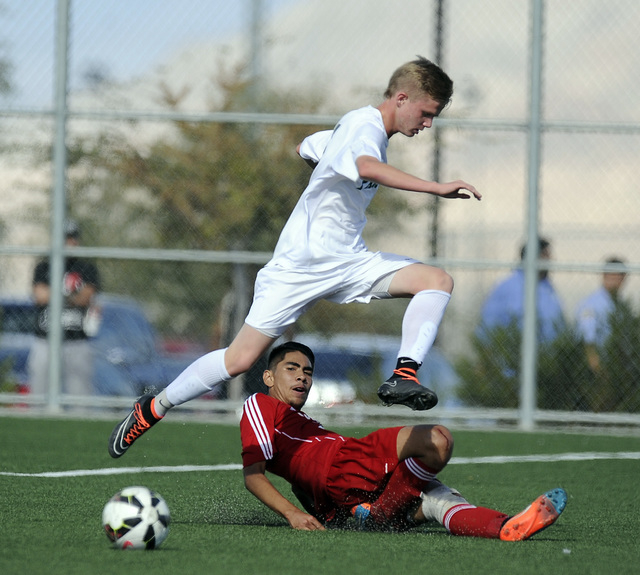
(167, 131)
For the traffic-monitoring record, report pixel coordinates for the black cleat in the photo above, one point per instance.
(131, 427)
(404, 388)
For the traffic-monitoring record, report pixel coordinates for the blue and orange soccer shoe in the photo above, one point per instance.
(544, 511)
(361, 514)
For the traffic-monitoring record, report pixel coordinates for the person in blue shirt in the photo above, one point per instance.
(593, 312)
(505, 303)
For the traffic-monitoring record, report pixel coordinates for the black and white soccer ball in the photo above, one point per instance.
(136, 518)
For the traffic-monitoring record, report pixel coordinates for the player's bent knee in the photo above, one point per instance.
(446, 282)
(432, 444)
(442, 440)
(438, 279)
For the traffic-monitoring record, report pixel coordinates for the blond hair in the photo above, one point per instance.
(421, 77)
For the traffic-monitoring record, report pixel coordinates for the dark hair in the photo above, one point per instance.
(419, 77)
(278, 353)
(543, 244)
(615, 260)
(618, 265)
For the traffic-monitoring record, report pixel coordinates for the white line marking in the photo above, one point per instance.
(495, 459)
(123, 470)
(582, 456)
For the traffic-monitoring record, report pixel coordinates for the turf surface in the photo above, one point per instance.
(52, 524)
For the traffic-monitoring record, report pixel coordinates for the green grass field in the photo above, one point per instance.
(52, 525)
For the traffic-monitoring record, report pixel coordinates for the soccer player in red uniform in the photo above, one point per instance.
(385, 479)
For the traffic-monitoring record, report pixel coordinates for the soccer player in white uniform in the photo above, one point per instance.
(321, 253)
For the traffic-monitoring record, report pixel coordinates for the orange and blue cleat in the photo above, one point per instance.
(361, 514)
(544, 511)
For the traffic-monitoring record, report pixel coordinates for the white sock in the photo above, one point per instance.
(201, 376)
(438, 501)
(420, 323)
(161, 404)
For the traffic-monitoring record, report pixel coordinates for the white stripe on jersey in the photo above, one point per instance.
(316, 438)
(254, 415)
(294, 438)
(418, 470)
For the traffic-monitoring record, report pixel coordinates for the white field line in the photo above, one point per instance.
(580, 456)
(493, 459)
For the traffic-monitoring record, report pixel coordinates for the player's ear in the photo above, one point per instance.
(267, 377)
(401, 98)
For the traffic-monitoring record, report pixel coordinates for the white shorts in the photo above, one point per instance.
(282, 295)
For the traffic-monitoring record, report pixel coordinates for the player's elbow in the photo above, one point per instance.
(367, 168)
(254, 475)
(250, 484)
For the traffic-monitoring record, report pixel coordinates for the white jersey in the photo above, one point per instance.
(321, 253)
(325, 227)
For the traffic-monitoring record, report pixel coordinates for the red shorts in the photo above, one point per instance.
(362, 467)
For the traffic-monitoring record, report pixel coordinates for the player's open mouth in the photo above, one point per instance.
(300, 389)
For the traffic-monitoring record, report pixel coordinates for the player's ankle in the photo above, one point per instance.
(160, 405)
(407, 362)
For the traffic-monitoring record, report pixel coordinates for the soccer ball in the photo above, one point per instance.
(136, 518)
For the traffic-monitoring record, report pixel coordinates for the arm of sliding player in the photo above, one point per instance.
(258, 483)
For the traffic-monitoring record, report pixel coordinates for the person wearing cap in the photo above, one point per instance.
(81, 282)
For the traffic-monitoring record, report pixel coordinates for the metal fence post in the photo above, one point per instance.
(529, 349)
(56, 269)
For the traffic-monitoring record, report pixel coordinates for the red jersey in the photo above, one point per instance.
(337, 472)
(294, 446)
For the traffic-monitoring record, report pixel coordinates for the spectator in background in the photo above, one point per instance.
(594, 311)
(505, 304)
(81, 283)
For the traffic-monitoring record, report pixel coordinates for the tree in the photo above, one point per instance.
(206, 186)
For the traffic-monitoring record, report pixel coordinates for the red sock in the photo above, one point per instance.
(473, 521)
(406, 483)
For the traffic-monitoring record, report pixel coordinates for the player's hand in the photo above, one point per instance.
(304, 522)
(458, 189)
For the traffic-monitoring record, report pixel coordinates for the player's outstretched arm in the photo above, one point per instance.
(373, 170)
(257, 483)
